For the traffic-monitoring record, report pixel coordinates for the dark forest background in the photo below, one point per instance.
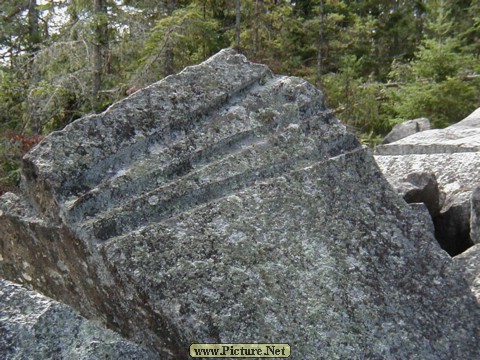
(378, 62)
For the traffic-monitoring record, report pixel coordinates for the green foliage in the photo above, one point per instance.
(365, 105)
(265, 35)
(436, 85)
(12, 101)
(12, 149)
(443, 102)
(184, 38)
(62, 92)
(439, 60)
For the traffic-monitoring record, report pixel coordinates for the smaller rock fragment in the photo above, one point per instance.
(422, 187)
(35, 327)
(406, 128)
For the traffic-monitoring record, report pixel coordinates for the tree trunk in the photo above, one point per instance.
(320, 44)
(237, 24)
(255, 30)
(34, 39)
(99, 49)
(34, 36)
(169, 62)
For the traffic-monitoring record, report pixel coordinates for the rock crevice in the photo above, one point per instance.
(452, 156)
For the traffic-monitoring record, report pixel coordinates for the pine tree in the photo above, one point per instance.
(100, 49)
(438, 86)
(183, 38)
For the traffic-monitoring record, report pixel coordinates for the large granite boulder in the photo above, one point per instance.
(226, 204)
(35, 327)
(451, 158)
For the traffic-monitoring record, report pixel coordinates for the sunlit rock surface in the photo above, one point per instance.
(227, 204)
(406, 128)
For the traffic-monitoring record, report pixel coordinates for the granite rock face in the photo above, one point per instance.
(227, 204)
(452, 156)
(406, 128)
(35, 327)
(468, 263)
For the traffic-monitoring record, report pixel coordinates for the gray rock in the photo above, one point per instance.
(463, 136)
(475, 216)
(456, 176)
(406, 128)
(452, 155)
(469, 264)
(420, 187)
(35, 327)
(226, 204)
(424, 217)
(470, 122)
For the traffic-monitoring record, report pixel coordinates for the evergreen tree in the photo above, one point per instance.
(100, 49)
(437, 86)
(183, 38)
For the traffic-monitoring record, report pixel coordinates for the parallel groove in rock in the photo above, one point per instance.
(168, 178)
(137, 151)
(295, 169)
(113, 188)
(206, 184)
(114, 141)
(249, 99)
